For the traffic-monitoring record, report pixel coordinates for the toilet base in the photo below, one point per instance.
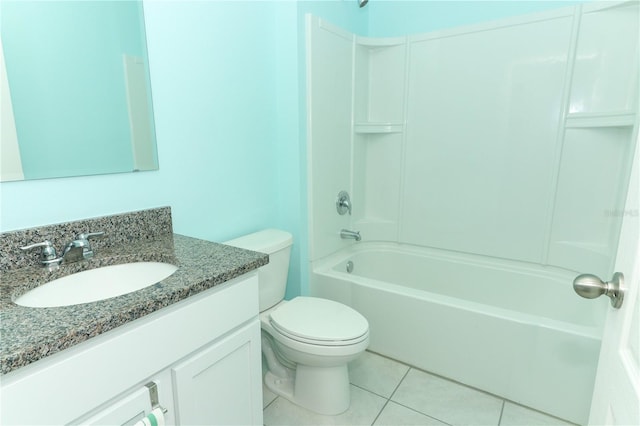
(324, 390)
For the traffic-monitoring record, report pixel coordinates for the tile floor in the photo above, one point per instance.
(387, 392)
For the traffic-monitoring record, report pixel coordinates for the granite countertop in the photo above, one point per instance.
(30, 334)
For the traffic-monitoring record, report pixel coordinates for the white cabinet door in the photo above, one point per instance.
(221, 384)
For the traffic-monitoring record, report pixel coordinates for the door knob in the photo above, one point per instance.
(590, 287)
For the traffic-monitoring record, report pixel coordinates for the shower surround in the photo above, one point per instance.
(507, 143)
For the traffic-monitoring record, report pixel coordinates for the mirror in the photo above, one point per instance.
(76, 95)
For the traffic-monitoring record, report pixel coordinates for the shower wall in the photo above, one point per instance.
(509, 139)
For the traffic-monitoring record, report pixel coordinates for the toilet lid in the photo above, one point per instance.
(321, 320)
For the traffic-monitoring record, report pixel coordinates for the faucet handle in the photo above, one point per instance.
(48, 250)
(87, 235)
(343, 203)
(87, 251)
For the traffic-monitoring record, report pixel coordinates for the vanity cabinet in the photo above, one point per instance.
(203, 353)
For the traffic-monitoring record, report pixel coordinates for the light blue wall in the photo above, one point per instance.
(389, 18)
(214, 84)
(228, 91)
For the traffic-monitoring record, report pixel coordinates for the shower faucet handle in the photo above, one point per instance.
(343, 203)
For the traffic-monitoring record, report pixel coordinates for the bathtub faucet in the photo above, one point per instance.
(345, 234)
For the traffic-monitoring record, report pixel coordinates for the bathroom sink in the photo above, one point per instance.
(96, 284)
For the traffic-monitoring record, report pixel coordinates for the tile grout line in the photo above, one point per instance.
(391, 395)
(504, 401)
(501, 412)
(413, 409)
(400, 382)
(368, 390)
(423, 414)
(269, 404)
(380, 412)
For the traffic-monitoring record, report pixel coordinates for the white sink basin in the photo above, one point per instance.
(96, 284)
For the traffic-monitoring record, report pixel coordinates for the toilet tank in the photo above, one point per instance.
(272, 276)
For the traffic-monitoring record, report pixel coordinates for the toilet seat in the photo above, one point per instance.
(319, 322)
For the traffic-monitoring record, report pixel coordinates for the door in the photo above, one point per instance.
(616, 397)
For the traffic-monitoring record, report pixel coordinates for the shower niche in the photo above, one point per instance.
(378, 133)
(379, 77)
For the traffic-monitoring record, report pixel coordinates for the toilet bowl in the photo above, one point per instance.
(307, 342)
(309, 360)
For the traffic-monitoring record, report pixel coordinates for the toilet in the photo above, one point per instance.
(307, 342)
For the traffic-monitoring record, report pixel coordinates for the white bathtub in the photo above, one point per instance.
(512, 329)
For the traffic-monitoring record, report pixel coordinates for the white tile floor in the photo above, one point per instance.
(387, 392)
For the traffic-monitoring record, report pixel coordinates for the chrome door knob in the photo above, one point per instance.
(590, 286)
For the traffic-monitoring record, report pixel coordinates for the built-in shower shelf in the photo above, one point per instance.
(378, 127)
(607, 119)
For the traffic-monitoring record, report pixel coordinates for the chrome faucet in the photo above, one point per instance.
(346, 233)
(76, 250)
(80, 248)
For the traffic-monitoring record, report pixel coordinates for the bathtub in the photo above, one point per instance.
(509, 328)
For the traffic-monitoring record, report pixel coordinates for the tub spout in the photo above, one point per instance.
(346, 233)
